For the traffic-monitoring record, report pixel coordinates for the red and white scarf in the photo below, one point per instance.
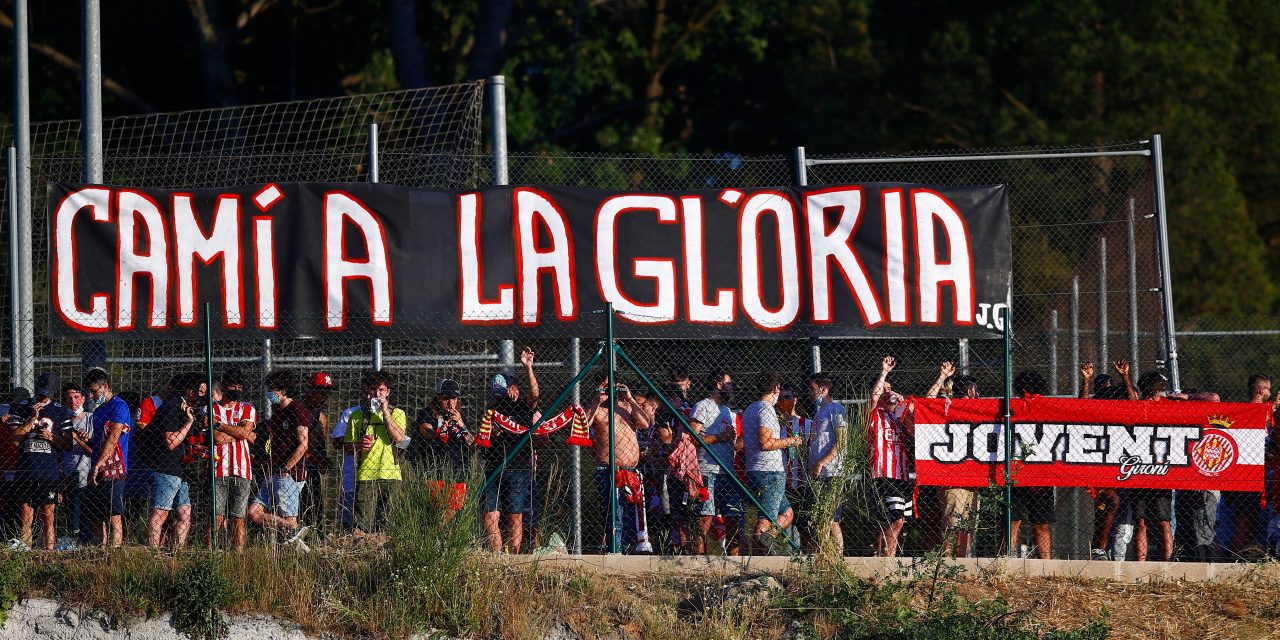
(579, 434)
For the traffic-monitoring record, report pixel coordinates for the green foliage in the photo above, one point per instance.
(12, 567)
(201, 591)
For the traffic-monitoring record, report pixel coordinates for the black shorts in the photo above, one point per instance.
(1033, 505)
(891, 500)
(1152, 505)
(103, 500)
(38, 493)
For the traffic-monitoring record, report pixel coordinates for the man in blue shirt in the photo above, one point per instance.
(112, 422)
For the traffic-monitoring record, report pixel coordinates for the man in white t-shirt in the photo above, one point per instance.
(765, 453)
(828, 439)
(713, 420)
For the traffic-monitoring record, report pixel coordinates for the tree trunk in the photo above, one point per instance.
(406, 49)
(219, 81)
(490, 49)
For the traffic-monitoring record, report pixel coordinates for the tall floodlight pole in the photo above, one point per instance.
(376, 353)
(1166, 277)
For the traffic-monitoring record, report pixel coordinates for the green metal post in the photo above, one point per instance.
(728, 469)
(551, 409)
(213, 469)
(613, 462)
(1008, 431)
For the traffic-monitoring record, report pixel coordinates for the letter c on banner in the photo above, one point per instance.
(96, 319)
(661, 271)
(781, 207)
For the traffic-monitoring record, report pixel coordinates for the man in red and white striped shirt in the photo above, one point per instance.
(234, 422)
(889, 434)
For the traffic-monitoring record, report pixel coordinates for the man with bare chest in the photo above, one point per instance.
(628, 418)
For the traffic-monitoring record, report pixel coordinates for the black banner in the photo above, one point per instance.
(315, 259)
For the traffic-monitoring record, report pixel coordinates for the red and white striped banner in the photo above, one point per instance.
(1093, 443)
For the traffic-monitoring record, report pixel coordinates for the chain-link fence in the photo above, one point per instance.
(1086, 288)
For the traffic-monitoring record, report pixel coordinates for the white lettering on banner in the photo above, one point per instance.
(474, 308)
(1044, 443)
(222, 241)
(661, 271)
(933, 273)
(825, 246)
(534, 211)
(265, 262)
(784, 211)
(895, 255)
(96, 319)
(1133, 466)
(720, 311)
(133, 207)
(340, 207)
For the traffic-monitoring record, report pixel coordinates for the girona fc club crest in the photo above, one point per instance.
(1216, 450)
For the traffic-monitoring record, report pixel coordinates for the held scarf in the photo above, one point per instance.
(579, 434)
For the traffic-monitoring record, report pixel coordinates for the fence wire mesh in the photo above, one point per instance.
(1073, 301)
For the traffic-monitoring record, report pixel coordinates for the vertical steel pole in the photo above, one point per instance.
(22, 240)
(1075, 336)
(963, 346)
(15, 290)
(1008, 430)
(613, 462)
(800, 170)
(93, 353)
(575, 453)
(213, 447)
(1166, 275)
(1103, 358)
(267, 360)
(498, 133)
(1053, 352)
(376, 353)
(1132, 250)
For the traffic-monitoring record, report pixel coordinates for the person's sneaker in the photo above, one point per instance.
(18, 545)
(299, 535)
(643, 548)
(1099, 554)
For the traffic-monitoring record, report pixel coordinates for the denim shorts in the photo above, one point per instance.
(770, 488)
(726, 499)
(280, 495)
(512, 492)
(169, 492)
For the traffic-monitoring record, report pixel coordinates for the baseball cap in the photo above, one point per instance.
(322, 380)
(499, 383)
(449, 388)
(47, 385)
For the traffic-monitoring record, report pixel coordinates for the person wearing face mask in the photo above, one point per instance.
(766, 451)
(712, 419)
(890, 466)
(112, 425)
(233, 433)
(828, 440)
(75, 461)
(166, 436)
(280, 491)
(40, 425)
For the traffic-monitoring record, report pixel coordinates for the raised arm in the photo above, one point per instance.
(526, 359)
(1086, 383)
(945, 370)
(886, 366)
(1122, 369)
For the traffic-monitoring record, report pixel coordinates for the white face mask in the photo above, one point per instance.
(78, 410)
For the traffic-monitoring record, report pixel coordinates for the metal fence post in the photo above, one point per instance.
(498, 131)
(375, 359)
(15, 290)
(613, 462)
(22, 241)
(800, 171)
(209, 414)
(1008, 428)
(575, 453)
(1102, 303)
(1132, 250)
(1075, 336)
(962, 345)
(93, 353)
(1053, 352)
(1166, 276)
(267, 359)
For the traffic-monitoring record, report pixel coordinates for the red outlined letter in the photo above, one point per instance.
(473, 308)
(895, 258)
(661, 271)
(132, 206)
(97, 319)
(265, 261)
(191, 244)
(531, 206)
(721, 311)
(338, 208)
(835, 244)
(930, 208)
(781, 207)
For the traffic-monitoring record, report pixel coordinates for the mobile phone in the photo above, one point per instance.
(375, 404)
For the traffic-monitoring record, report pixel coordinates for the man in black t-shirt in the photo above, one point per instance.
(41, 427)
(514, 486)
(443, 447)
(279, 496)
(166, 437)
